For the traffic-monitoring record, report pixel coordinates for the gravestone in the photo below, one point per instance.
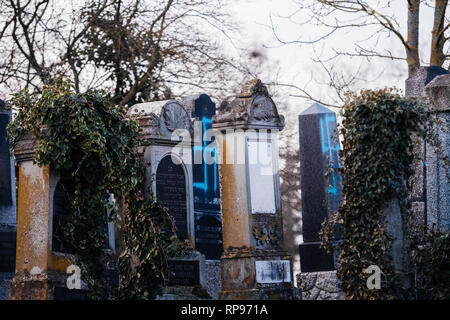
(437, 174)
(7, 206)
(253, 264)
(208, 216)
(321, 195)
(38, 269)
(208, 219)
(415, 87)
(166, 131)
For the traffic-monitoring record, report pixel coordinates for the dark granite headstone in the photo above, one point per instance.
(208, 218)
(321, 194)
(7, 251)
(184, 273)
(5, 163)
(313, 258)
(208, 235)
(171, 191)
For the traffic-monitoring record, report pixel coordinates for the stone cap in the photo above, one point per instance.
(316, 108)
(438, 91)
(25, 147)
(419, 78)
(253, 108)
(159, 119)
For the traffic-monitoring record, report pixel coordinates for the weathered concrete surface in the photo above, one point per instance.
(212, 279)
(438, 175)
(250, 233)
(235, 224)
(415, 87)
(37, 266)
(319, 286)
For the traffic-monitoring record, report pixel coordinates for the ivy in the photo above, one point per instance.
(379, 129)
(94, 147)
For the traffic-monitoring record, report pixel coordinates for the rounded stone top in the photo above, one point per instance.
(160, 119)
(252, 108)
(438, 91)
(146, 108)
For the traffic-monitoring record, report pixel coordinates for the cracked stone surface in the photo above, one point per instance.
(319, 286)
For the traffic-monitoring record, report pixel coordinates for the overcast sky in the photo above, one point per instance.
(296, 62)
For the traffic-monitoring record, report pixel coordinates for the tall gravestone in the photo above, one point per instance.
(206, 185)
(253, 264)
(166, 131)
(437, 173)
(7, 206)
(208, 220)
(319, 146)
(321, 191)
(415, 87)
(40, 271)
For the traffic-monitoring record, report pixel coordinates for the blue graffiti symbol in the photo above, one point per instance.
(206, 122)
(329, 147)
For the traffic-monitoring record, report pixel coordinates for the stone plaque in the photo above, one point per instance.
(208, 235)
(171, 191)
(5, 164)
(184, 273)
(261, 176)
(273, 271)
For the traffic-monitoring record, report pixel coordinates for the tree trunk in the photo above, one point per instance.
(437, 57)
(412, 50)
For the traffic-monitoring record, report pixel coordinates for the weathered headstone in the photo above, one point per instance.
(437, 174)
(39, 270)
(208, 219)
(166, 131)
(415, 87)
(321, 191)
(321, 194)
(7, 206)
(253, 264)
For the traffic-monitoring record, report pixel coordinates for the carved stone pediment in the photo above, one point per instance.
(161, 118)
(252, 108)
(172, 117)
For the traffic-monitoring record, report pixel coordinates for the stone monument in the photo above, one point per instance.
(208, 216)
(415, 87)
(321, 191)
(166, 130)
(8, 221)
(253, 264)
(437, 174)
(40, 270)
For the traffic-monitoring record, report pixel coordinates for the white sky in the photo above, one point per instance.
(295, 61)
